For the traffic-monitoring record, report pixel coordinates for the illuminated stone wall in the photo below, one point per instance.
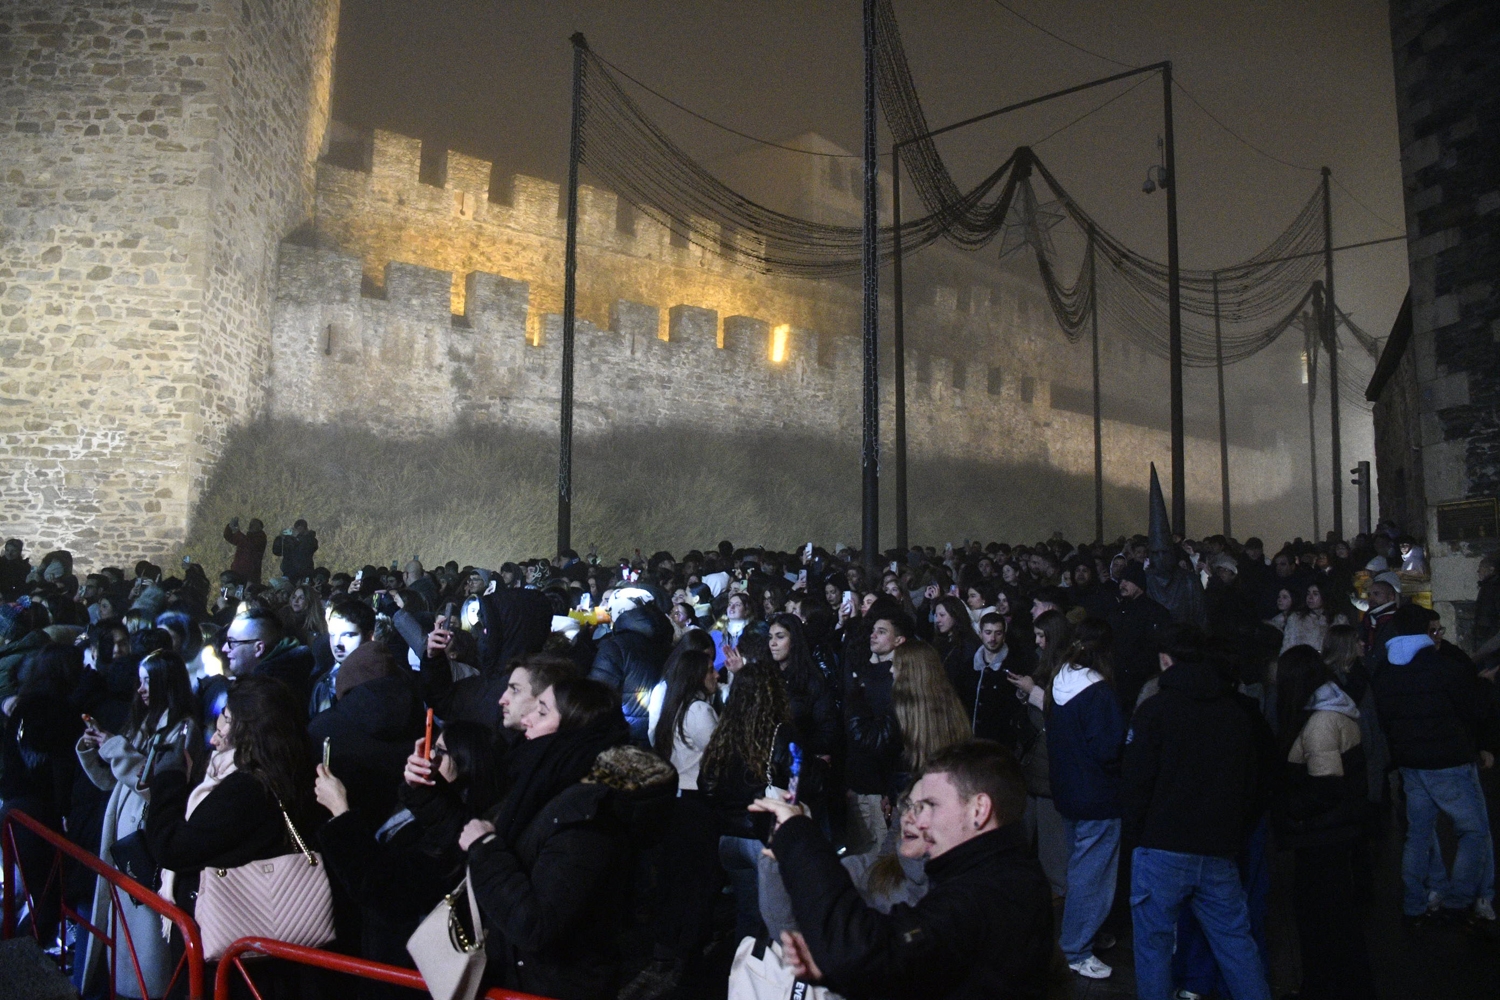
(421, 299)
(152, 156)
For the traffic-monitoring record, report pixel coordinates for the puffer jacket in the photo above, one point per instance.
(630, 660)
(555, 901)
(1323, 797)
(1431, 707)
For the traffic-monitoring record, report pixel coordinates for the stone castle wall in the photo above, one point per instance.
(418, 303)
(1447, 67)
(153, 154)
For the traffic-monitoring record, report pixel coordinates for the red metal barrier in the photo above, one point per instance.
(378, 971)
(192, 956)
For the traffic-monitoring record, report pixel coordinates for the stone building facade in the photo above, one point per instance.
(152, 156)
(1447, 62)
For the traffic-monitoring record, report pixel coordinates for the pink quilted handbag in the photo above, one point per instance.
(285, 899)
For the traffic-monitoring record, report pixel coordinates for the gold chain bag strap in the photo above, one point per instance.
(285, 898)
(449, 958)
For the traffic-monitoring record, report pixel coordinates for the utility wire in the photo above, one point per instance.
(1219, 122)
(1096, 110)
(1056, 37)
(1367, 208)
(720, 125)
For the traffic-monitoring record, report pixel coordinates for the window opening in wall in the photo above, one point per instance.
(433, 169)
(502, 186)
(965, 298)
(958, 375)
(678, 234)
(1028, 389)
(328, 340)
(779, 336)
(994, 382)
(924, 368)
(624, 217)
(728, 245)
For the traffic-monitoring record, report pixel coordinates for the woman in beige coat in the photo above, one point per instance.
(163, 726)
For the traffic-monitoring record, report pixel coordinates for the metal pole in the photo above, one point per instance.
(1362, 478)
(1223, 422)
(870, 457)
(1331, 338)
(1174, 316)
(570, 302)
(1309, 330)
(899, 338)
(1098, 409)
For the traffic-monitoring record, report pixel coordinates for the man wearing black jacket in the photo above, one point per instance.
(984, 929)
(1190, 784)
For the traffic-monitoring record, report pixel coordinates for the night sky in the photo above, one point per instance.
(1308, 83)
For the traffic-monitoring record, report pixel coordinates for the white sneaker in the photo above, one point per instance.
(1484, 909)
(1187, 995)
(1434, 901)
(1091, 968)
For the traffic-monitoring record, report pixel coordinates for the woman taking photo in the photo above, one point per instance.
(163, 727)
(551, 870)
(396, 874)
(739, 614)
(1320, 814)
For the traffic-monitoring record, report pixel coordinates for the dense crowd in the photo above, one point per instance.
(916, 775)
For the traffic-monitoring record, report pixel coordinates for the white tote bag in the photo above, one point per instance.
(766, 976)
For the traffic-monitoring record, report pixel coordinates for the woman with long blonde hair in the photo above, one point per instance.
(925, 715)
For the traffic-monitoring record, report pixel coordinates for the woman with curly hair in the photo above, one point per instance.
(751, 749)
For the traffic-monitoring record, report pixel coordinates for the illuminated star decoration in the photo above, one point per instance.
(1029, 221)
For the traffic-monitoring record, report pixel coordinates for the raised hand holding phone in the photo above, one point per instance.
(418, 767)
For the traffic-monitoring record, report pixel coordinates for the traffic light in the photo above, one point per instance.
(1361, 474)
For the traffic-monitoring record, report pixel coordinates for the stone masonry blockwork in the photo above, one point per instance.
(152, 156)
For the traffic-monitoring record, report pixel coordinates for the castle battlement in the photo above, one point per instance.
(430, 298)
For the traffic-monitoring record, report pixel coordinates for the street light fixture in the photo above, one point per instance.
(1156, 174)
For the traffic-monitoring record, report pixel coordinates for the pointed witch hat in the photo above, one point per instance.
(1161, 525)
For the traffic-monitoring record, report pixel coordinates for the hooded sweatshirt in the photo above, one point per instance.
(1085, 735)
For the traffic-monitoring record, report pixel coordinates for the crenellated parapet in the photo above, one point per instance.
(429, 296)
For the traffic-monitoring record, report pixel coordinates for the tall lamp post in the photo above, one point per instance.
(1168, 179)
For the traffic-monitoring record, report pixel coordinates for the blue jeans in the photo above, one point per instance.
(1160, 883)
(739, 856)
(1193, 966)
(1455, 791)
(1093, 864)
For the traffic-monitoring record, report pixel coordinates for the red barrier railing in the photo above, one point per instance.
(192, 956)
(378, 971)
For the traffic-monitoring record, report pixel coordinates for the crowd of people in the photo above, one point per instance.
(919, 774)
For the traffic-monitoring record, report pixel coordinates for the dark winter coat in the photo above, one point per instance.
(816, 716)
(1190, 773)
(291, 663)
(372, 729)
(1085, 738)
(397, 882)
(742, 782)
(867, 695)
(989, 698)
(513, 622)
(982, 932)
(1433, 711)
(296, 552)
(630, 660)
(1135, 623)
(249, 553)
(555, 900)
(239, 822)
